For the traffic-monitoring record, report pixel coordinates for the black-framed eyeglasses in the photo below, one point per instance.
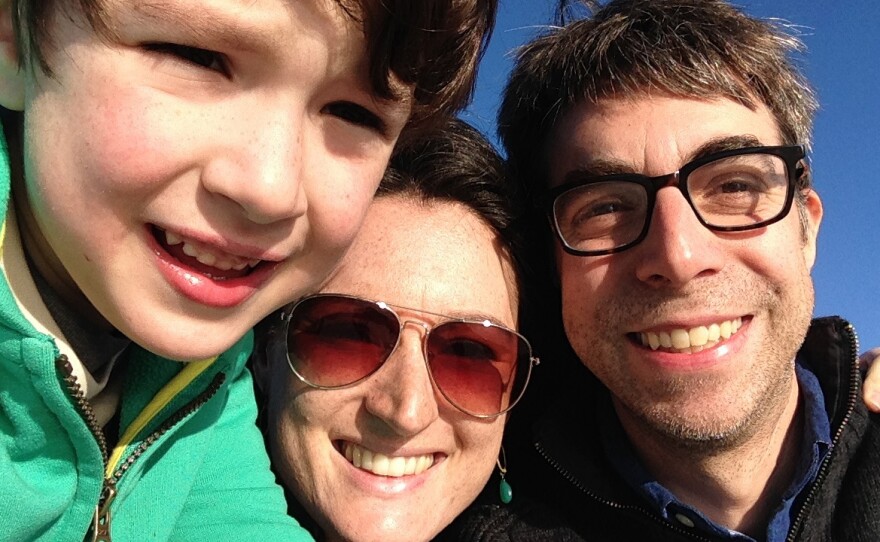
(733, 190)
(335, 341)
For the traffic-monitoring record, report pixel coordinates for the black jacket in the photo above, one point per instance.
(566, 490)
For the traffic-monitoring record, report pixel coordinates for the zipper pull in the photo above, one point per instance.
(101, 521)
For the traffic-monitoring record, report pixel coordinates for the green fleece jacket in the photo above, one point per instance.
(190, 464)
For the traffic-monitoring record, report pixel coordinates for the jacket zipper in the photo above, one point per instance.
(820, 476)
(101, 521)
(826, 463)
(568, 476)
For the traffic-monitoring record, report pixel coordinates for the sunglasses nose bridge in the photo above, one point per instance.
(425, 331)
(424, 326)
(403, 395)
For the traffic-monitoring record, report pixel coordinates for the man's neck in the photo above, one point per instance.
(737, 486)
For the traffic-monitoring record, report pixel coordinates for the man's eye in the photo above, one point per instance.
(355, 114)
(602, 208)
(203, 58)
(740, 185)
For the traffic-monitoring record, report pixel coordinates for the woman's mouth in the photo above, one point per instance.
(384, 465)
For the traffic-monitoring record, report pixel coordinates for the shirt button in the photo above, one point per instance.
(684, 520)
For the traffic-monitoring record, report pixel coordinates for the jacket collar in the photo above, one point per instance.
(830, 350)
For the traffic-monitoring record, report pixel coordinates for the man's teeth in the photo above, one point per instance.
(691, 340)
(384, 465)
(221, 262)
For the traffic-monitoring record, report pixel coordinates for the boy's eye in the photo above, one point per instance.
(355, 114)
(204, 58)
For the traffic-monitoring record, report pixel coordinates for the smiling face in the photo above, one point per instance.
(202, 165)
(437, 257)
(728, 309)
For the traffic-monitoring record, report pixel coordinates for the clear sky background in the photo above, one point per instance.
(843, 63)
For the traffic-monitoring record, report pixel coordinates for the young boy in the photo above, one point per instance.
(179, 169)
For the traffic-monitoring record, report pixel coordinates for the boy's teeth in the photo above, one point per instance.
(222, 263)
(691, 340)
(206, 258)
(383, 465)
(190, 250)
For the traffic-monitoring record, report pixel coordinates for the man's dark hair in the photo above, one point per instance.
(631, 48)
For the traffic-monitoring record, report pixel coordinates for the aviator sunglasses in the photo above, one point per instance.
(336, 341)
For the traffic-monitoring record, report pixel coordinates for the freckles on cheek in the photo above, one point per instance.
(130, 139)
(338, 214)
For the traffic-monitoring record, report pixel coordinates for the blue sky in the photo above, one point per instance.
(843, 63)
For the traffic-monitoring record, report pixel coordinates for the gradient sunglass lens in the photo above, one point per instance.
(479, 367)
(337, 341)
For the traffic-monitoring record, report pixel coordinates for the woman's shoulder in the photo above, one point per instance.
(522, 521)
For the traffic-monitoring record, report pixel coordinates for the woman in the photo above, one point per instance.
(388, 391)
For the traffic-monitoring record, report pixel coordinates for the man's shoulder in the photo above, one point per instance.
(846, 500)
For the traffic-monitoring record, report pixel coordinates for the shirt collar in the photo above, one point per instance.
(817, 432)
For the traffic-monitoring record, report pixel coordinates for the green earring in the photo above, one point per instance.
(505, 492)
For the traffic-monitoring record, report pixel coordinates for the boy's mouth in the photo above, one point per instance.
(207, 261)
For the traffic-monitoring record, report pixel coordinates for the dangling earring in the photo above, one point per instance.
(504, 489)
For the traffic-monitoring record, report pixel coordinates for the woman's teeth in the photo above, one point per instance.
(384, 465)
(690, 340)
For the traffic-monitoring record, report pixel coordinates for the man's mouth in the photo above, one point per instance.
(690, 340)
(208, 261)
(383, 465)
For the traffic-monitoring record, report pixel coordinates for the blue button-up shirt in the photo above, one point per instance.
(817, 432)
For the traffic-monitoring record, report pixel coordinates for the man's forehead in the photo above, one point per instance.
(618, 135)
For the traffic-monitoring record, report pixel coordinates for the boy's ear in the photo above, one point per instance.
(11, 75)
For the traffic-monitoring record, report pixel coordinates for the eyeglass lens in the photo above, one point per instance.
(336, 341)
(743, 190)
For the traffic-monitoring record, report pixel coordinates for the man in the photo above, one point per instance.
(669, 140)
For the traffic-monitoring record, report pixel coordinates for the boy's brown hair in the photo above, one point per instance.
(433, 45)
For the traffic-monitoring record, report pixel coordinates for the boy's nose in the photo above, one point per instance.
(678, 248)
(261, 170)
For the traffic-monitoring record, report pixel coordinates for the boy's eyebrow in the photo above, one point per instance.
(206, 23)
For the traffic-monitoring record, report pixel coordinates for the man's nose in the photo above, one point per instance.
(677, 248)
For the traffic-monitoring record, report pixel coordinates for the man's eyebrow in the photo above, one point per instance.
(609, 166)
(725, 143)
(598, 167)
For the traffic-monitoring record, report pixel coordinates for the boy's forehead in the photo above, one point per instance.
(257, 16)
(272, 22)
(327, 34)
(273, 29)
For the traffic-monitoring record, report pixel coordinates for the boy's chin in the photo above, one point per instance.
(187, 343)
